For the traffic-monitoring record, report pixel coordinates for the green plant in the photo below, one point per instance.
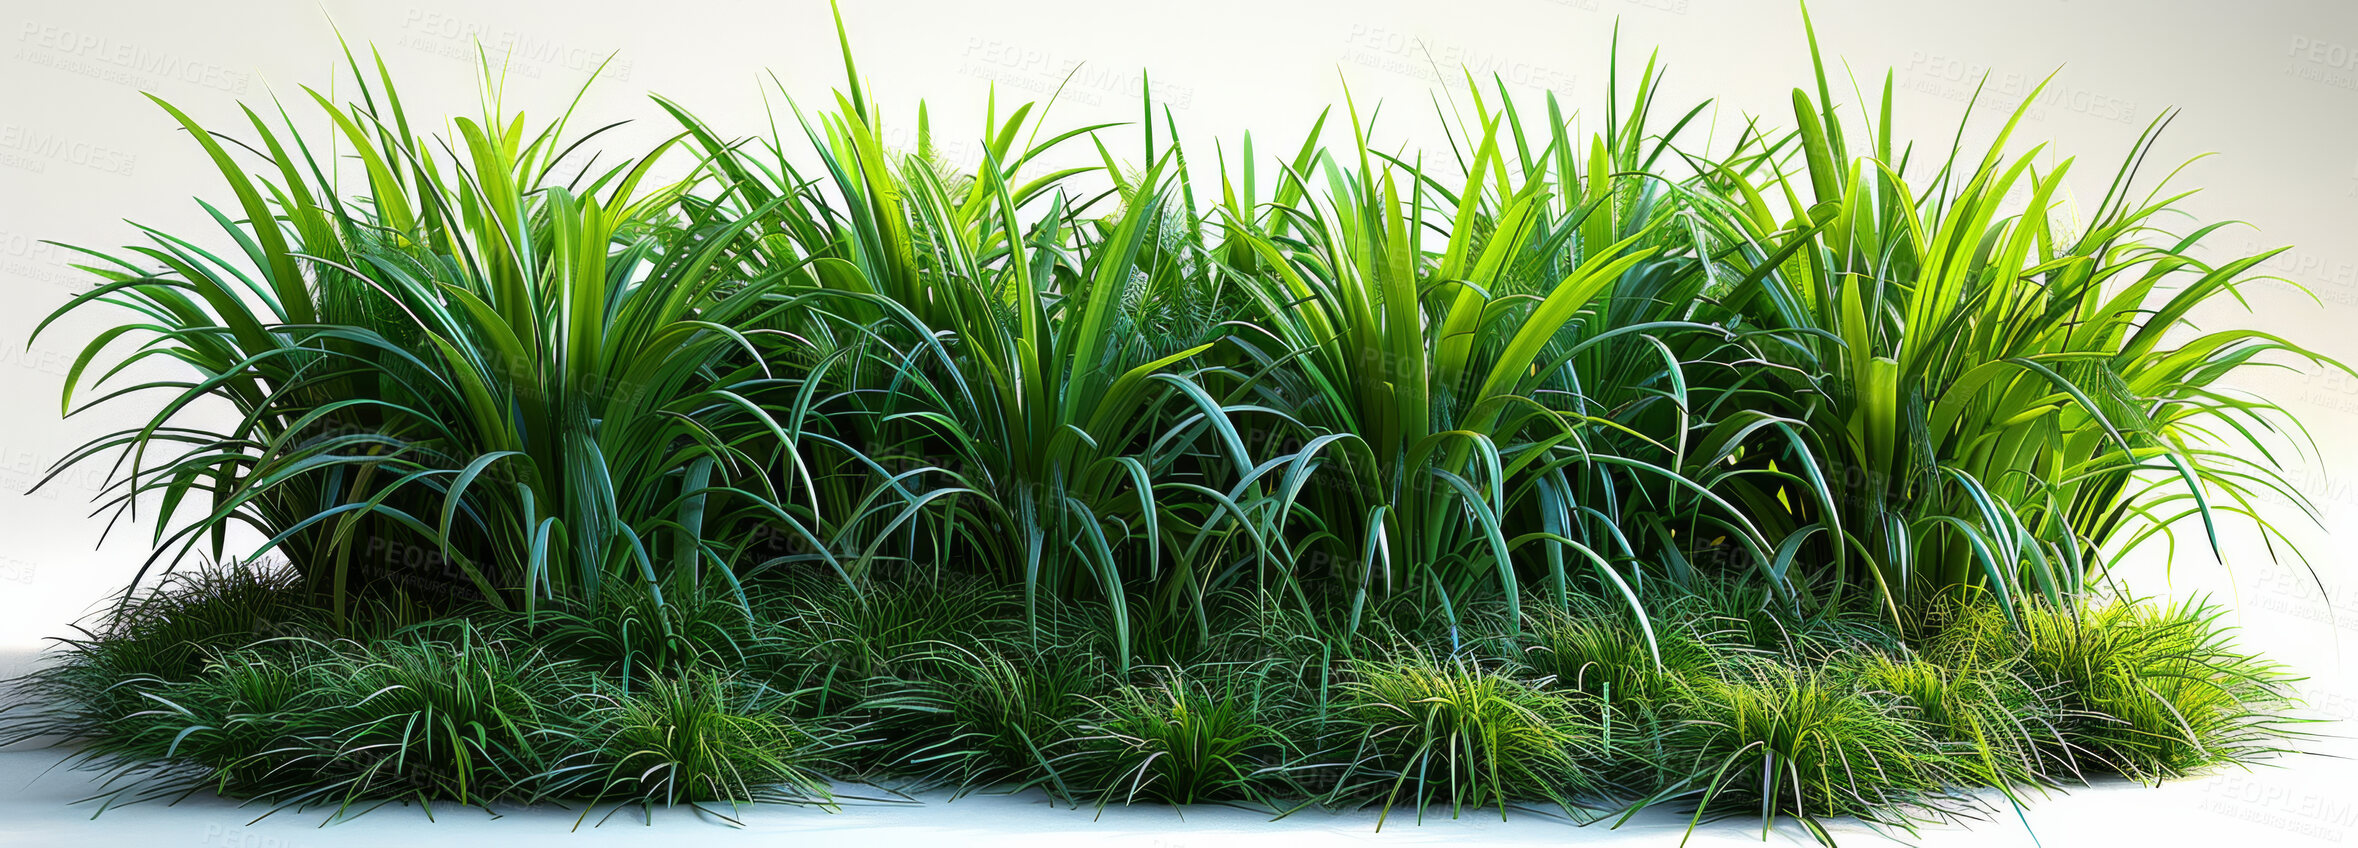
(1603, 655)
(633, 634)
(173, 627)
(985, 379)
(696, 739)
(1784, 741)
(1571, 467)
(1992, 720)
(837, 642)
(1181, 740)
(305, 723)
(2147, 691)
(475, 382)
(1999, 394)
(1749, 616)
(977, 717)
(1451, 732)
(1539, 380)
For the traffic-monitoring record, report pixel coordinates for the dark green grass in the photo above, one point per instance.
(997, 716)
(910, 685)
(1185, 738)
(699, 738)
(1452, 733)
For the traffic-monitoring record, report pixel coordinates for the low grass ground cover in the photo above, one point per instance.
(180, 692)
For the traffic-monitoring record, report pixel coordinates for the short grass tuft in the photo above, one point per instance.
(1452, 732)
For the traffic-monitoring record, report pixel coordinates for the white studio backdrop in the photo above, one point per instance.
(2270, 88)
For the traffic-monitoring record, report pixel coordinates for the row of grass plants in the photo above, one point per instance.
(1774, 469)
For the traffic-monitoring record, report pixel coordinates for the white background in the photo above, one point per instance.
(2270, 87)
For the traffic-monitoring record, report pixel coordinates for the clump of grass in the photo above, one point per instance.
(582, 709)
(834, 641)
(1477, 625)
(306, 723)
(1739, 615)
(1784, 741)
(1990, 719)
(212, 731)
(1632, 667)
(1449, 731)
(630, 634)
(433, 720)
(1287, 651)
(299, 722)
(168, 633)
(699, 739)
(2193, 701)
(1629, 673)
(1180, 740)
(2148, 691)
(998, 714)
(172, 629)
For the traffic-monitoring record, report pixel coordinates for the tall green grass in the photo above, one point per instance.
(2002, 390)
(501, 373)
(1342, 376)
(1585, 468)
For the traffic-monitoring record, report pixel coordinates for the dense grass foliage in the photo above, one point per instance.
(1451, 733)
(475, 383)
(1547, 365)
(1183, 739)
(456, 712)
(1999, 398)
(1589, 468)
